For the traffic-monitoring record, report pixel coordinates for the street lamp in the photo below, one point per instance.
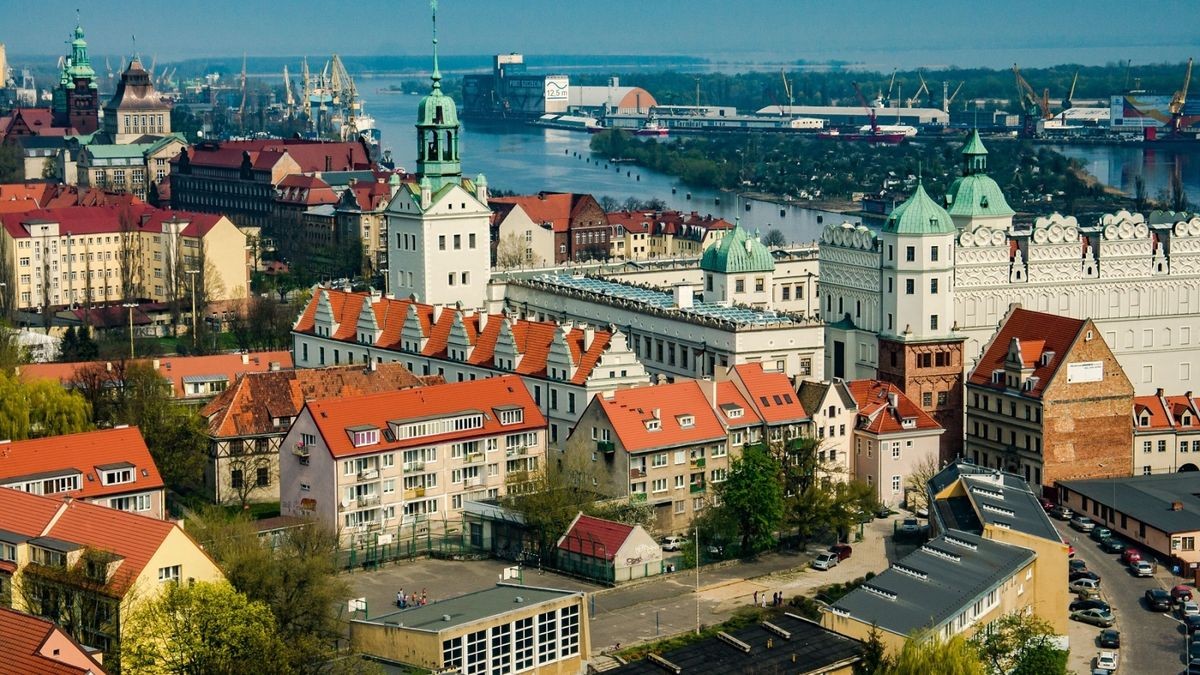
(129, 306)
(193, 274)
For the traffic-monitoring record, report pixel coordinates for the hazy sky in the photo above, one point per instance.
(924, 32)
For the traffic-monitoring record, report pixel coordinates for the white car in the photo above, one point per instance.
(672, 543)
(826, 560)
(1142, 568)
(1189, 608)
(1107, 660)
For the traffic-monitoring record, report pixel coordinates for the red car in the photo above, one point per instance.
(843, 551)
(1130, 556)
(1070, 549)
(1181, 593)
(1046, 504)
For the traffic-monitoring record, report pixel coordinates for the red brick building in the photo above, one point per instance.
(581, 230)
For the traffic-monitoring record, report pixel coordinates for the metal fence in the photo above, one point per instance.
(406, 541)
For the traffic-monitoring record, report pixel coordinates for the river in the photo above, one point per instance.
(527, 159)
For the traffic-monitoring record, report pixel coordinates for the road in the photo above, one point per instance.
(1152, 643)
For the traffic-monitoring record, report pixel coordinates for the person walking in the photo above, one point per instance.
(756, 597)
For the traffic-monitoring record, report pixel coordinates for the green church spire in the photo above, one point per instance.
(437, 129)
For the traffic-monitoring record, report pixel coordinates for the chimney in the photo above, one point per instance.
(245, 360)
(684, 295)
(437, 313)
(589, 335)
(609, 394)
(1176, 506)
(709, 387)
(1158, 392)
(657, 413)
(274, 366)
(893, 400)
(372, 365)
(483, 321)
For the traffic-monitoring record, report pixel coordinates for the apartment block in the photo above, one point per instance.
(406, 461)
(1166, 433)
(893, 437)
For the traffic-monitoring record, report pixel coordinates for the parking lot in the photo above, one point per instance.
(1152, 643)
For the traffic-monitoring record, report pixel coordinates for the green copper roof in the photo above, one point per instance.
(737, 252)
(79, 66)
(974, 145)
(919, 214)
(976, 195)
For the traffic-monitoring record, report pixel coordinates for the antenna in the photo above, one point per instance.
(437, 75)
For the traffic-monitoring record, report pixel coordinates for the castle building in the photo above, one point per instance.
(136, 108)
(1137, 278)
(439, 246)
(76, 102)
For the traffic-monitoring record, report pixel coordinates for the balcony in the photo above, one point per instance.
(473, 458)
(473, 482)
(607, 447)
(698, 463)
(368, 474)
(414, 493)
(697, 487)
(414, 466)
(300, 450)
(516, 452)
(368, 500)
(637, 473)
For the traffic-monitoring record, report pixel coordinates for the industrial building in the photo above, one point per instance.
(850, 115)
(509, 92)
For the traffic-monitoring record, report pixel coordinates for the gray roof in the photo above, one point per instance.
(998, 498)
(1148, 498)
(472, 607)
(812, 393)
(934, 584)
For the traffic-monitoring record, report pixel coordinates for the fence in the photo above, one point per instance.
(406, 541)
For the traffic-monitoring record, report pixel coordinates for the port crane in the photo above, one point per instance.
(1036, 108)
(290, 109)
(1069, 101)
(862, 100)
(787, 90)
(1179, 99)
(923, 89)
(886, 101)
(948, 98)
(242, 107)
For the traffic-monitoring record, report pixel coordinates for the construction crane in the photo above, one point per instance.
(242, 107)
(948, 99)
(787, 90)
(153, 63)
(306, 79)
(1068, 102)
(862, 100)
(290, 107)
(923, 89)
(886, 101)
(1036, 108)
(1179, 100)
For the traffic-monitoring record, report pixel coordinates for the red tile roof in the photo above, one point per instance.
(22, 647)
(174, 368)
(133, 537)
(334, 416)
(250, 406)
(82, 220)
(629, 411)
(306, 190)
(553, 208)
(1165, 413)
(1036, 334)
(876, 414)
(595, 537)
(532, 338)
(24, 197)
(39, 120)
(728, 396)
(771, 394)
(83, 452)
(691, 225)
(265, 153)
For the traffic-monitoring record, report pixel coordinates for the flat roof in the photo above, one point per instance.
(935, 583)
(1148, 498)
(472, 607)
(997, 498)
(633, 296)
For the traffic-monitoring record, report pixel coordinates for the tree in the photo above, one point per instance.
(245, 466)
(12, 167)
(549, 498)
(924, 653)
(12, 354)
(874, 657)
(916, 486)
(818, 499)
(204, 627)
(1019, 642)
(774, 238)
(510, 252)
(753, 497)
(129, 257)
(40, 408)
(77, 345)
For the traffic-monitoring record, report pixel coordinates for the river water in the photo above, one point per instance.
(526, 160)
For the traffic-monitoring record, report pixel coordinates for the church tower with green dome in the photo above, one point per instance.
(76, 101)
(974, 200)
(439, 249)
(738, 269)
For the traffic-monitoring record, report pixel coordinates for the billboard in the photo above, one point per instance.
(557, 87)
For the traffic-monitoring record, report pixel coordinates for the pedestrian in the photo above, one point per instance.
(424, 598)
(403, 602)
(400, 598)
(755, 597)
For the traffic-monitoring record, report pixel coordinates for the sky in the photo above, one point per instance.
(890, 32)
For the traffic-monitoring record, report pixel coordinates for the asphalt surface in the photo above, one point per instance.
(1152, 643)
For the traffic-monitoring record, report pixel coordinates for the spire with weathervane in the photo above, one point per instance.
(437, 130)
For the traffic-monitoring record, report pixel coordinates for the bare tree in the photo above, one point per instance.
(510, 252)
(8, 279)
(244, 466)
(915, 487)
(130, 257)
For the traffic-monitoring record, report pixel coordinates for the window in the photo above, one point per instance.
(117, 476)
(758, 284)
(513, 416)
(441, 242)
(933, 322)
(679, 482)
(896, 450)
(1187, 543)
(895, 484)
(262, 476)
(933, 286)
(1162, 445)
(547, 636)
(933, 253)
(659, 485)
(910, 253)
(171, 573)
(910, 287)
(926, 399)
(739, 286)
(1145, 446)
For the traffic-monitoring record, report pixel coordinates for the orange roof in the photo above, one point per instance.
(1036, 333)
(692, 226)
(729, 399)
(545, 207)
(106, 219)
(251, 405)
(771, 394)
(24, 197)
(876, 414)
(133, 537)
(173, 368)
(595, 537)
(632, 412)
(85, 453)
(24, 648)
(532, 338)
(1165, 412)
(335, 416)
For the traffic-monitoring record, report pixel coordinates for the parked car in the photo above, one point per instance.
(1107, 660)
(1141, 568)
(1096, 617)
(1191, 623)
(1193, 667)
(673, 543)
(1077, 565)
(910, 526)
(1061, 512)
(1088, 588)
(843, 551)
(1112, 545)
(1083, 574)
(1089, 603)
(1181, 593)
(1047, 505)
(1189, 608)
(1130, 556)
(1158, 600)
(1083, 523)
(1193, 652)
(826, 560)
(1100, 533)
(1110, 638)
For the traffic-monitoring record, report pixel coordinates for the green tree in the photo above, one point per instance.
(12, 167)
(40, 408)
(753, 497)
(12, 354)
(1019, 642)
(201, 628)
(818, 499)
(874, 657)
(550, 498)
(774, 238)
(924, 654)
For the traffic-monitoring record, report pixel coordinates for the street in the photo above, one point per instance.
(1152, 643)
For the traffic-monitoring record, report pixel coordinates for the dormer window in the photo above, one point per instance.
(116, 476)
(1046, 358)
(653, 425)
(1186, 420)
(364, 435)
(1145, 421)
(908, 422)
(734, 413)
(997, 376)
(686, 421)
(511, 416)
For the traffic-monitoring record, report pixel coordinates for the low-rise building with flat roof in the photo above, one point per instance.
(513, 629)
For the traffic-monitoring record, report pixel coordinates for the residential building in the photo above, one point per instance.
(136, 109)
(645, 235)
(371, 465)
(247, 421)
(1136, 276)
(130, 167)
(360, 210)
(191, 379)
(73, 255)
(1166, 433)
(834, 421)
(109, 467)
(76, 99)
(519, 629)
(34, 645)
(26, 197)
(785, 644)
(893, 439)
(114, 560)
(580, 226)
(608, 551)
(238, 179)
(1160, 513)
(1049, 401)
(22, 123)
(563, 366)
(519, 241)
